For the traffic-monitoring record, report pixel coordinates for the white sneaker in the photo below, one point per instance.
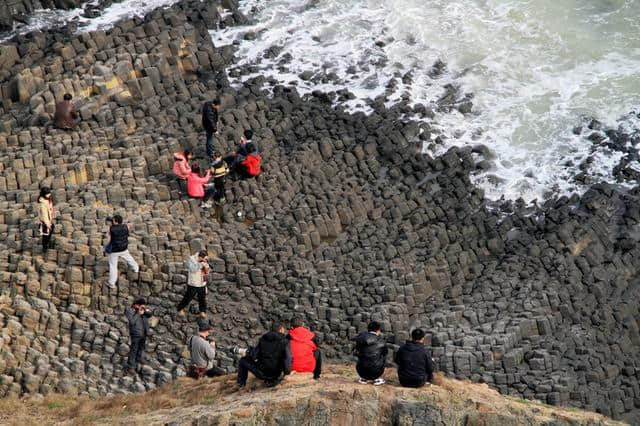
(206, 205)
(378, 382)
(362, 381)
(111, 286)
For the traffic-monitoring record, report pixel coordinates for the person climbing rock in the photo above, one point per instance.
(138, 316)
(203, 354)
(371, 351)
(196, 183)
(269, 359)
(415, 367)
(210, 111)
(306, 356)
(66, 117)
(181, 166)
(117, 248)
(198, 272)
(46, 213)
(219, 171)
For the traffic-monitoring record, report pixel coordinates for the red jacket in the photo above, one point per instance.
(195, 184)
(302, 349)
(252, 164)
(181, 167)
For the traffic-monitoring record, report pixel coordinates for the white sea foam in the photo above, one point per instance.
(537, 68)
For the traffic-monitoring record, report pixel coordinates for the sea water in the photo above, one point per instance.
(536, 68)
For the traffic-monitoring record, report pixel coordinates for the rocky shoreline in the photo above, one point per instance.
(348, 223)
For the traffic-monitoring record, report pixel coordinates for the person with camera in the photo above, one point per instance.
(117, 248)
(138, 316)
(203, 353)
(415, 366)
(198, 270)
(269, 359)
(371, 351)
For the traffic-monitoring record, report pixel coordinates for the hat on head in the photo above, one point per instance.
(204, 326)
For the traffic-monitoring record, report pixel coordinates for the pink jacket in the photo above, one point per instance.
(181, 167)
(195, 184)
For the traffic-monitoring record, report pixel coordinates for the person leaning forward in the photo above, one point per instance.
(203, 353)
(198, 270)
(269, 359)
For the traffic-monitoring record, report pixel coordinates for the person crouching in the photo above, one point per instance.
(269, 359)
(415, 367)
(203, 354)
(372, 351)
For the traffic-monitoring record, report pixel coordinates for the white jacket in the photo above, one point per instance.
(196, 278)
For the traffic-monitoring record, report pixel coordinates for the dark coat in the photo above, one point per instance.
(65, 115)
(272, 354)
(119, 237)
(414, 363)
(209, 117)
(371, 351)
(138, 324)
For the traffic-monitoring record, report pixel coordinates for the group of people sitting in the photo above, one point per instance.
(281, 352)
(245, 162)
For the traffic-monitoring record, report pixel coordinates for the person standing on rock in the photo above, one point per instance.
(371, 350)
(415, 367)
(66, 117)
(197, 186)
(118, 248)
(181, 167)
(210, 111)
(269, 359)
(219, 171)
(203, 354)
(198, 272)
(306, 356)
(138, 316)
(47, 216)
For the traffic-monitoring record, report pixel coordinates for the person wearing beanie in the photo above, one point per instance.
(46, 214)
(203, 353)
(415, 367)
(138, 316)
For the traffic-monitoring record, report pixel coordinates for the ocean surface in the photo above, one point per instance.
(536, 69)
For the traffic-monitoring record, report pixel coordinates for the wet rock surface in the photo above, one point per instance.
(348, 223)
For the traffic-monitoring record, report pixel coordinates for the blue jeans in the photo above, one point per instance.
(211, 140)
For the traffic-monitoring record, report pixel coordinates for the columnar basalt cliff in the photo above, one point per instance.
(347, 223)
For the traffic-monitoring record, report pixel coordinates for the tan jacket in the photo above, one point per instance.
(46, 211)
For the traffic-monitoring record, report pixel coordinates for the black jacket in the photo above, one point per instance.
(414, 362)
(119, 237)
(138, 324)
(371, 351)
(209, 117)
(272, 354)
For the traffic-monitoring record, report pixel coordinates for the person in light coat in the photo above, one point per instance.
(198, 270)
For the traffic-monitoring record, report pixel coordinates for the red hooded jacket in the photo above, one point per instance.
(302, 349)
(252, 164)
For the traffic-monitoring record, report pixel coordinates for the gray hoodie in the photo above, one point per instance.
(202, 353)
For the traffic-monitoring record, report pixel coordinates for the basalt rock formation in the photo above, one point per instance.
(349, 222)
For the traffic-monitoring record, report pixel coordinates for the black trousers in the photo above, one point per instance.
(245, 365)
(218, 185)
(46, 235)
(136, 350)
(318, 370)
(369, 373)
(412, 382)
(192, 292)
(215, 372)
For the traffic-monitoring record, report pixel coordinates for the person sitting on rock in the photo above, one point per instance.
(47, 216)
(249, 166)
(245, 148)
(415, 367)
(138, 316)
(210, 111)
(219, 171)
(196, 186)
(203, 354)
(198, 272)
(66, 117)
(269, 359)
(306, 356)
(371, 350)
(117, 248)
(181, 167)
